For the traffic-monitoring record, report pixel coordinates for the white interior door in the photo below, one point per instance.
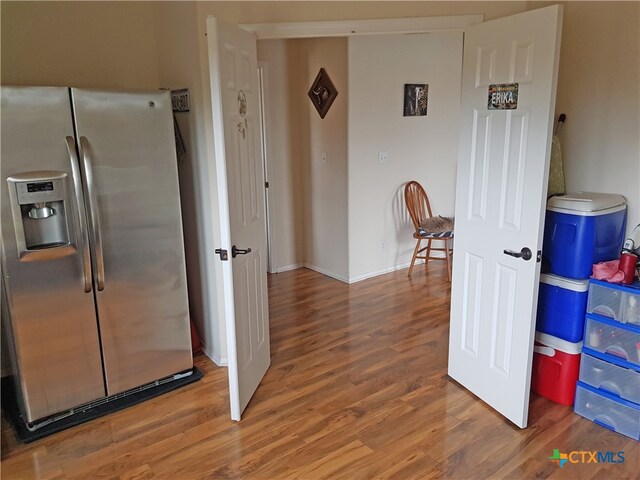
(236, 124)
(501, 189)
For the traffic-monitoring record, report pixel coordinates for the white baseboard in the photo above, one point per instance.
(328, 273)
(342, 278)
(215, 357)
(286, 268)
(375, 273)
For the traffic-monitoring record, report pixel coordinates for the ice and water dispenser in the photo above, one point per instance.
(40, 205)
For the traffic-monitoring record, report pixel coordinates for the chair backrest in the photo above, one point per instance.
(417, 203)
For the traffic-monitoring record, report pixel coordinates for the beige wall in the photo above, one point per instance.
(284, 162)
(84, 44)
(599, 90)
(177, 49)
(301, 11)
(419, 148)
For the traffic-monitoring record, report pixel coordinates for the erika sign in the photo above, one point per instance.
(503, 96)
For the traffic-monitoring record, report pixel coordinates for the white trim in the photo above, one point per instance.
(286, 268)
(375, 273)
(263, 76)
(328, 273)
(219, 360)
(347, 28)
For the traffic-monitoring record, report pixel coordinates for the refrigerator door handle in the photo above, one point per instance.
(82, 219)
(93, 212)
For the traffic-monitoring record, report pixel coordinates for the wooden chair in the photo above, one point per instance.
(427, 227)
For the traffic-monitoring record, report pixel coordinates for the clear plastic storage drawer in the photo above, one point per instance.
(618, 415)
(618, 302)
(623, 382)
(613, 339)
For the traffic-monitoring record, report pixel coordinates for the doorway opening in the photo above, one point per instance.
(335, 183)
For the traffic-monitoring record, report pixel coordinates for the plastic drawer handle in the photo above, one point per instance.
(610, 426)
(610, 388)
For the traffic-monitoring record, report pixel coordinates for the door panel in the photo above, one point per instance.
(234, 80)
(53, 318)
(501, 189)
(127, 145)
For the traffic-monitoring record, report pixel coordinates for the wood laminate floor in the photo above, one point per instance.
(357, 389)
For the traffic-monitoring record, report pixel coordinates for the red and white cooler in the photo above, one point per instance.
(556, 366)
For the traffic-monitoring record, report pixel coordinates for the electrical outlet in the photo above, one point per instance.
(383, 157)
(324, 158)
(383, 245)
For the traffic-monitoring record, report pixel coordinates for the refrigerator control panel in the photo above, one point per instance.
(39, 187)
(32, 192)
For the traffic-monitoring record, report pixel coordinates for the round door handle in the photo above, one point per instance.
(525, 253)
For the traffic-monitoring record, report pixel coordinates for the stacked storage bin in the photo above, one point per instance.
(608, 392)
(580, 229)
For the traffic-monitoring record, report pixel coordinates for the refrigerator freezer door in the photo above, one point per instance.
(128, 155)
(53, 320)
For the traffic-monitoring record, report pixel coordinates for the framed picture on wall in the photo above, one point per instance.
(416, 97)
(322, 93)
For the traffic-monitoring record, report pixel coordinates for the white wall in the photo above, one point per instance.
(419, 148)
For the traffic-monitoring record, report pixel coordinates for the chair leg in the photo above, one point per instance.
(415, 254)
(448, 254)
(426, 260)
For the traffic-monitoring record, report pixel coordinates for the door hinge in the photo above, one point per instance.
(224, 255)
(266, 184)
(539, 256)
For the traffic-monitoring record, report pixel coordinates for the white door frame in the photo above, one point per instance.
(220, 272)
(263, 78)
(216, 228)
(350, 28)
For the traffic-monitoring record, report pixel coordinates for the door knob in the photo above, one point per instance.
(525, 253)
(239, 251)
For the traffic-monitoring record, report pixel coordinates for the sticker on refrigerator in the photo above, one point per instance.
(503, 96)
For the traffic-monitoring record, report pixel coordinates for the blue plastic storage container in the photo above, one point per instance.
(582, 229)
(562, 304)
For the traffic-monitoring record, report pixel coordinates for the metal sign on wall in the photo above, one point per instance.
(180, 100)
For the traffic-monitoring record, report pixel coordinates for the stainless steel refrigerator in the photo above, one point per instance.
(92, 248)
